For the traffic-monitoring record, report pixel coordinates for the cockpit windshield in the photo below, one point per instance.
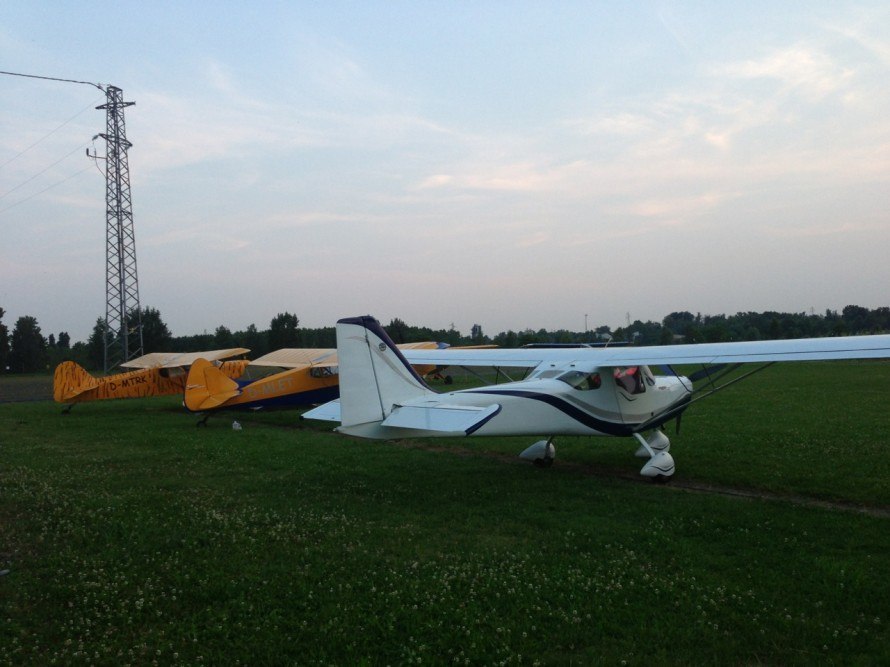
(581, 380)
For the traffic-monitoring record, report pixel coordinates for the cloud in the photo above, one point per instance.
(525, 176)
(807, 70)
(811, 230)
(531, 240)
(626, 124)
(674, 207)
(330, 68)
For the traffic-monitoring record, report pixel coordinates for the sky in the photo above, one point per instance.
(509, 164)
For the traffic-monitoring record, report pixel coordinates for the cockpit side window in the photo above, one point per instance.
(630, 379)
(581, 380)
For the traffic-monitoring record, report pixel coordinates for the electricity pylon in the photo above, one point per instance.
(123, 316)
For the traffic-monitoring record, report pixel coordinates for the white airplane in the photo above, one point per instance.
(568, 391)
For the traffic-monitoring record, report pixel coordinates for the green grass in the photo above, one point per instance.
(132, 536)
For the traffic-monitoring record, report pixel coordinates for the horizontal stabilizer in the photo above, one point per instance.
(328, 412)
(441, 417)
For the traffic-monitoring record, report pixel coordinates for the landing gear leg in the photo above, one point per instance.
(203, 422)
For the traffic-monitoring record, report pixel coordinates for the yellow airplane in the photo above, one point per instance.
(155, 374)
(310, 377)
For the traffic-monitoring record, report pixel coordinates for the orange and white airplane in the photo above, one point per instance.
(308, 376)
(155, 374)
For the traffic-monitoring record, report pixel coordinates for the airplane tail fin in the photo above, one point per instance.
(374, 376)
(70, 380)
(207, 387)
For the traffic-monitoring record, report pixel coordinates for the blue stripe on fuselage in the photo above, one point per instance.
(585, 418)
(295, 400)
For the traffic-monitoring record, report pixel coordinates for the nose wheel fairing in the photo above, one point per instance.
(541, 453)
(660, 465)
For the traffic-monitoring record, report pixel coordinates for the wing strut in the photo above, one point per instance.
(499, 371)
(713, 377)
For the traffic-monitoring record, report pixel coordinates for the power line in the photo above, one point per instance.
(52, 78)
(43, 171)
(20, 153)
(49, 187)
(47, 135)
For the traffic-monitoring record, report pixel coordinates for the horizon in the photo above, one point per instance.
(700, 318)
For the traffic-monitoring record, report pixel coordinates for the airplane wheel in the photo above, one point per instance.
(543, 463)
(660, 479)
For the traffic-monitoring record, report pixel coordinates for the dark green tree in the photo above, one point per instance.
(96, 344)
(507, 339)
(28, 351)
(323, 337)
(156, 337)
(255, 341)
(679, 321)
(64, 342)
(397, 330)
(4, 343)
(284, 331)
(223, 338)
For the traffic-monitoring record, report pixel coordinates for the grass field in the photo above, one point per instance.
(130, 537)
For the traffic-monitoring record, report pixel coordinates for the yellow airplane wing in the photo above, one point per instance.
(297, 358)
(425, 345)
(291, 357)
(181, 359)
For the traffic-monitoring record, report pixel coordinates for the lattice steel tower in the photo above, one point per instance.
(123, 316)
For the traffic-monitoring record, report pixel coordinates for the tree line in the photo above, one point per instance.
(26, 350)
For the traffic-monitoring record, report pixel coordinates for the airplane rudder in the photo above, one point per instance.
(374, 374)
(69, 380)
(217, 381)
(196, 392)
(359, 399)
(377, 337)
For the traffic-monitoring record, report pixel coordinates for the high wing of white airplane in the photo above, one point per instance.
(763, 351)
(567, 391)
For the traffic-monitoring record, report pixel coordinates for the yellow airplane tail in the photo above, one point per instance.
(71, 380)
(207, 387)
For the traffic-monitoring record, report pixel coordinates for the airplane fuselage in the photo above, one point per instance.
(598, 401)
